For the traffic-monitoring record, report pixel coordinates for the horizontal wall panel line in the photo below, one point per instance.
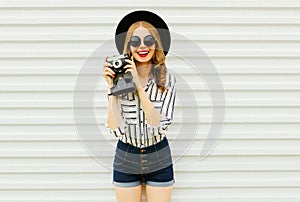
(81, 57)
(211, 53)
(180, 169)
(61, 70)
(174, 20)
(192, 184)
(39, 121)
(64, 38)
(202, 106)
(99, 24)
(48, 123)
(195, 87)
(73, 138)
(80, 40)
(195, 152)
(203, 103)
(271, 198)
(46, 92)
(154, 4)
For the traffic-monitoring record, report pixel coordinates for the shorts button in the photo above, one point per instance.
(144, 168)
(144, 161)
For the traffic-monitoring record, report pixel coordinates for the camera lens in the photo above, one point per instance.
(117, 63)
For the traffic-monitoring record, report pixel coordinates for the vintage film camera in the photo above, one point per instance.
(123, 82)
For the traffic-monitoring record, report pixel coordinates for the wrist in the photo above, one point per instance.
(109, 92)
(138, 86)
(110, 84)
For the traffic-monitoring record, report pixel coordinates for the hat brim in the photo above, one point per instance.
(142, 15)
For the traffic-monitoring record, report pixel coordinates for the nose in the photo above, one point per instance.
(142, 43)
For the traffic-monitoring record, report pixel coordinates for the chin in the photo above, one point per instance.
(142, 60)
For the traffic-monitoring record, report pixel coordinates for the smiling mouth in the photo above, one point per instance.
(143, 53)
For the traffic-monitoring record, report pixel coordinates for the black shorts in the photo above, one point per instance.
(151, 165)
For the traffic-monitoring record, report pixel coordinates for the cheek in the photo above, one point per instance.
(131, 50)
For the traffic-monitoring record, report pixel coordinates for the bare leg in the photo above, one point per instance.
(161, 194)
(129, 194)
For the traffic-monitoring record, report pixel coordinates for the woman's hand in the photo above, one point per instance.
(108, 73)
(132, 69)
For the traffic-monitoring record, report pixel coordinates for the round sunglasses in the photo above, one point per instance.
(135, 41)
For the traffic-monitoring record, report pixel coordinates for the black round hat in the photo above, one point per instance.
(142, 15)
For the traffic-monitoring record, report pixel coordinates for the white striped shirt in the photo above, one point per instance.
(134, 129)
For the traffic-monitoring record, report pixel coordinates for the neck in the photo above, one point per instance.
(143, 69)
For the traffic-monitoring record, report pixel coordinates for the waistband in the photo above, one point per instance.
(136, 150)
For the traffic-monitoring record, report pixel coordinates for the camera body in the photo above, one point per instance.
(118, 63)
(123, 82)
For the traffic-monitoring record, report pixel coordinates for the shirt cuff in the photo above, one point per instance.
(119, 131)
(157, 130)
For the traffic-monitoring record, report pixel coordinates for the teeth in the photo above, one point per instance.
(143, 52)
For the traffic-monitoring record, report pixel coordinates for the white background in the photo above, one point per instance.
(254, 46)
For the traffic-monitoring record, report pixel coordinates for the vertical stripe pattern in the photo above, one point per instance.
(134, 129)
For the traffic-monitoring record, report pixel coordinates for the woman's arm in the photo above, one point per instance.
(166, 110)
(152, 115)
(115, 122)
(114, 118)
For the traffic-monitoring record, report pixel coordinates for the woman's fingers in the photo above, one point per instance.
(129, 61)
(128, 70)
(128, 66)
(107, 64)
(108, 72)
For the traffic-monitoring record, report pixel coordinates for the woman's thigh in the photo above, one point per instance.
(161, 194)
(129, 194)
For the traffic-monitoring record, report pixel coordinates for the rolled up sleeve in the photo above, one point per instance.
(119, 131)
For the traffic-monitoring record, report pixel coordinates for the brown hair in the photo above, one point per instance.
(159, 69)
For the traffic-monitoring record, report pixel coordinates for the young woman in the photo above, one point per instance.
(140, 119)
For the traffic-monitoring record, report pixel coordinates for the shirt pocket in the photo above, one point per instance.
(129, 112)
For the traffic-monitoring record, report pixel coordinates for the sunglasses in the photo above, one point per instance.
(135, 41)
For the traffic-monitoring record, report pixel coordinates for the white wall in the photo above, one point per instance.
(255, 48)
